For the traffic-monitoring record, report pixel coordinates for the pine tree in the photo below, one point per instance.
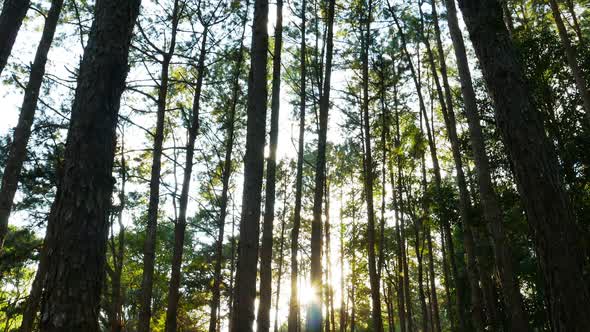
(75, 244)
(557, 239)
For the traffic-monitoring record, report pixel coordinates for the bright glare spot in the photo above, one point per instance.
(306, 295)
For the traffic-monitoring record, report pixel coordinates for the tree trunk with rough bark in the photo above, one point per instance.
(489, 200)
(11, 18)
(555, 232)
(281, 257)
(116, 318)
(18, 148)
(342, 325)
(434, 302)
(446, 227)
(353, 276)
(149, 248)
(264, 304)
(75, 247)
(245, 292)
(314, 318)
(368, 175)
(32, 303)
(225, 180)
(419, 245)
(329, 284)
(294, 300)
(397, 231)
(180, 223)
(464, 200)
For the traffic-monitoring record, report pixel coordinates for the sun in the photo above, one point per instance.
(306, 295)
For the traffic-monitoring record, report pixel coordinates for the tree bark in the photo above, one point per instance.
(434, 303)
(11, 18)
(32, 303)
(232, 270)
(489, 200)
(245, 292)
(555, 232)
(446, 227)
(294, 300)
(263, 319)
(77, 230)
(149, 249)
(419, 257)
(116, 319)
(464, 200)
(180, 225)
(314, 318)
(394, 194)
(369, 175)
(353, 268)
(447, 281)
(329, 284)
(225, 180)
(342, 325)
(281, 257)
(18, 148)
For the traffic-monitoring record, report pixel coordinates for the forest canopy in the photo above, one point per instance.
(295, 165)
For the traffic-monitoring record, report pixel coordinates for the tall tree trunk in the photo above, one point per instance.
(384, 134)
(245, 292)
(32, 303)
(18, 148)
(281, 258)
(435, 316)
(460, 292)
(149, 248)
(434, 302)
(263, 319)
(485, 270)
(476, 268)
(180, 223)
(419, 244)
(353, 275)
(314, 318)
(447, 281)
(572, 60)
(394, 194)
(327, 285)
(11, 18)
(404, 267)
(420, 259)
(329, 282)
(555, 232)
(75, 246)
(368, 175)
(390, 312)
(116, 319)
(342, 326)
(230, 300)
(294, 300)
(489, 200)
(464, 200)
(225, 180)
